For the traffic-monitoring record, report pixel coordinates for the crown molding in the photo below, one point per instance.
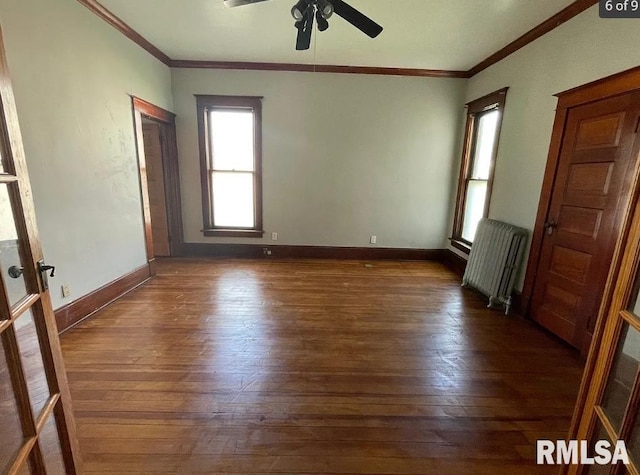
(538, 31)
(530, 36)
(125, 29)
(318, 68)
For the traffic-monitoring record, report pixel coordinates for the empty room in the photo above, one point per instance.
(320, 237)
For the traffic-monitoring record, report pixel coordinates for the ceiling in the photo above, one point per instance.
(421, 34)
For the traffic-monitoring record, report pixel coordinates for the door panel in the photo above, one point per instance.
(587, 180)
(561, 302)
(583, 222)
(33, 383)
(591, 192)
(600, 132)
(570, 264)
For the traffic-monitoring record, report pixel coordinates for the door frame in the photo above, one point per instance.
(167, 120)
(617, 84)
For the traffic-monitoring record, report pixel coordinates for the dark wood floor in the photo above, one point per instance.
(314, 367)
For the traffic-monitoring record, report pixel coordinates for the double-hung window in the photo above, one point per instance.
(230, 164)
(484, 118)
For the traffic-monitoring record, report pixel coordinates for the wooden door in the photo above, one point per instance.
(611, 410)
(591, 192)
(38, 434)
(155, 181)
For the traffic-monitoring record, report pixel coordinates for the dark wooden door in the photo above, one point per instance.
(35, 414)
(591, 192)
(155, 181)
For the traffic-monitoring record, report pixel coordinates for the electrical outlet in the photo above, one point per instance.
(274, 236)
(374, 239)
(66, 290)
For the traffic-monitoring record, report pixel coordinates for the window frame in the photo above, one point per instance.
(494, 101)
(206, 103)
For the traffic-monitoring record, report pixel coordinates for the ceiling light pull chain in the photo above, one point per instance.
(315, 50)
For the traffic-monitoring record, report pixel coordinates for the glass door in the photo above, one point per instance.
(613, 399)
(38, 433)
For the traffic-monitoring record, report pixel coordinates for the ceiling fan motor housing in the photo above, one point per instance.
(325, 7)
(304, 12)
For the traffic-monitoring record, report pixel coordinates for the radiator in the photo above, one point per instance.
(494, 260)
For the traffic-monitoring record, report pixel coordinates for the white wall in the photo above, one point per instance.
(580, 51)
(344, 156)
(72, 74)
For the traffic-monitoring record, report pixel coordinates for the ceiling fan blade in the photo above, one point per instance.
(305, 28)
(237, 3)
(357, 19)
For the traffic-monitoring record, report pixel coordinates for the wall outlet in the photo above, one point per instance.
(374, 239)
(66, 290)
(274, 236)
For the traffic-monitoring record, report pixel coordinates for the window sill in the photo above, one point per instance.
(460, 245)
(242, 233)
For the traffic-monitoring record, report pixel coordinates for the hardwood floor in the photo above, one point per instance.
(314, 367)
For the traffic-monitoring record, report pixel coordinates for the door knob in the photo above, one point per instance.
(549, 226)
(15, 272)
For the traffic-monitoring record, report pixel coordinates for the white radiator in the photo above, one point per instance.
(494, 260)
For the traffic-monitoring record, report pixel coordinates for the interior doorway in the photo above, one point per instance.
(153, 138)
(159, 180)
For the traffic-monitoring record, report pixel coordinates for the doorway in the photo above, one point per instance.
(159, 180)
(590, 178)
(153, 138)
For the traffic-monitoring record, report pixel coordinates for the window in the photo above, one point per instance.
(231, 165)
(484, 118)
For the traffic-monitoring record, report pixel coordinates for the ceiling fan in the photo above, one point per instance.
(304, 12)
